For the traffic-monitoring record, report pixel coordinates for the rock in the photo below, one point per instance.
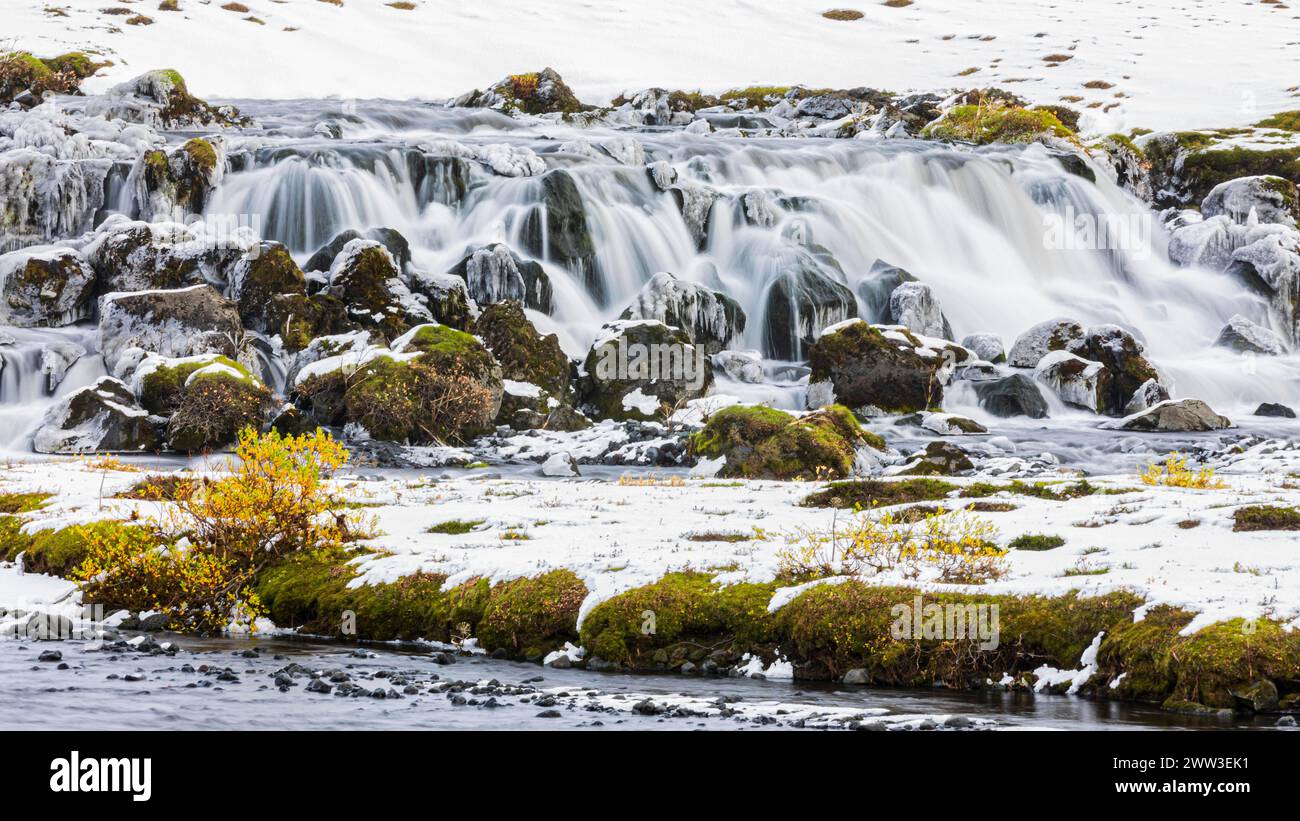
(1077, 381)
(763, 443)
(556, 229)
(1259, 697)
(857, 676)
(267, 285)
(103, 417)
(45, 287)
(398, 247)
(495, 274)
(542, 92)
(447, 298)
(160, 99)
(216, 402)
(525, 355)
(1052, 335)
(950, 424)
(1275, 410)
(695, 203)
(807, 295)
(560, 463)
(987, 347)
(742, 366)
(1177, 415)
(914, 306)
(168, 185)
(878, 286)
(50, 655)
(1242, 335)
(183, 322)
(145, 256)
(939, 458)
(1269, 198)
(56, 359)
(1015, 395)
(1268, 262)
(365, 277)
(154, 622)
(884, 367)
(638, 367)
(710, 319)
(1149, 393)
(1120, 353)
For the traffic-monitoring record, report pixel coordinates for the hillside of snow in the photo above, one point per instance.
(1160, 65)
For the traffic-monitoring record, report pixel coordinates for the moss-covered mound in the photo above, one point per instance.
(525, 617)
(525, 355)
(209, 400)
(21, 72)
(185, 177)
(866, 494)
(55, 552)
(865, 367)
(764, 443)
(262, 281)
(985, 124)
(1186, 165)
(1266, 517)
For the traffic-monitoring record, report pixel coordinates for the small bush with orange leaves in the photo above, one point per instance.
(197, 558)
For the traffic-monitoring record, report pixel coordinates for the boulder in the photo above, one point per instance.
(560, 464)
(1120, 353)
(177, 323)
(878, 286)
(939, 458)
(638, 368)
(711, 319)
(1275, 410)
(914, 306)
(987, 347)
(524, 354)
(216, 402)
(494, 274)
(556, 229)
(365, 278)
(1242, 335)
(132, 255)
(763, 443)
(1053, 335)
(161, 100)
(391, 239)
(1015, 395)
(103, 417)
(178, 181)
(1077, 381)
(45, 287)
(806, 295)
(1150, 393)
(1173, 415)
(447, 298)
(950, 424)
(888, 368)
(1269, 198)
(266, 284)
(539, 92)
(742, 366)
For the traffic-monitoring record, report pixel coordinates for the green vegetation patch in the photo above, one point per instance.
(455, 527)
(983, 125)
(55, 552)
(1265, 517)
(1036, 541)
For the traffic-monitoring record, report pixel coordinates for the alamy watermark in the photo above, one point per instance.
(1073, 231)
(658, 361)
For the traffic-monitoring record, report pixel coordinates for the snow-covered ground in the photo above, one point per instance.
(1164, 63)
(620, 534)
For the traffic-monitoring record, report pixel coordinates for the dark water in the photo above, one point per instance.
(173, 691)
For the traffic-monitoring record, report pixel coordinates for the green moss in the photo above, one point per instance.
(1206, 169)
(455, 527)
(75, 64)
(689, 610)
(983, 125)
(23, 502)
(1285, 120)
(1265, 517)
(1035, 541)
(524, 354)
(764, 443)
(213, 409)
(201, 154)
(755, 96)
(54, 552)
(529, 617)
(865, 494)
(736, 426)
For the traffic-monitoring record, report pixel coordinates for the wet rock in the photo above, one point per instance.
(560, 464)
(1268, 198)
(161, 100)
(1259, 697)
(542, 92)
(557, 230)
(50, 655)
(1177, 415)
(806, 296)
(1242, 335)
(45, 287)
(103, 417)
(144, 256)
(915, 306)
(742, 366)
(1149, 393)
(1275, 410)
(1077, 381)
(1120, 353)
(525, 354)
(365, 277)
(637, 368)
(885, 367)
(764, 443)
(950, 424)
(858, 676)
(267, 285)
(495, 274)
(1052, 335)
(184, 322)
(179, 181)
(447, 298)
(391, 239)
(987, 347)
(878, 286)
(1015, 395)
(710, 319)
(939, 459)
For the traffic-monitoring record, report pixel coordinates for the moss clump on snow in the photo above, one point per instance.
(983, 125)
(1265, 517)
(764, 443)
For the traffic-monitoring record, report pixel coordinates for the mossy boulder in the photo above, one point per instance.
(529, 617)
(183, 178)
(641, 369)
(26, 78)
(216, 403)
(160, 98)
(525, 354)
(365, 277)
(535, 92)
(45, 287)
(103, 417)
(132, 255)
(1120, 353)
(161, 381)
(397, 245)
(879, 366)
(1185, 166)
(764, 443)
(495, 274)
(710, 319)
(267, 286)
(1268, 198)
(447, 297)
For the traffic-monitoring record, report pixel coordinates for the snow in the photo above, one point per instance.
(363, 48)
(641, 402)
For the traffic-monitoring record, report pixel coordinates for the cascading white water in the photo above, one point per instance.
(972, 224)
(36, 367)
